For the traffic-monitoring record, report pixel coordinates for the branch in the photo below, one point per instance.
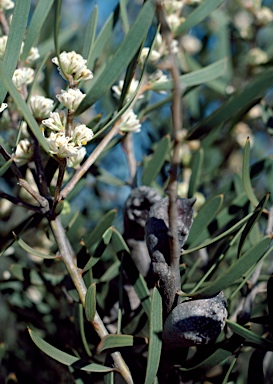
(68, 258)
(87, 164)
(174, 166)
(19, 202)
(43, 202)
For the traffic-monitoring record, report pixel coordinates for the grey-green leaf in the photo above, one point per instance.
(14, 43)
(90, 302)
(156, 162)
(122, 57)
(155, 340)
(115, 341)
(236, 270)
(64, 357)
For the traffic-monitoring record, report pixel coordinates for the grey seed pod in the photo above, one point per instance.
(137, 207)
(195, 322)
(157, 226)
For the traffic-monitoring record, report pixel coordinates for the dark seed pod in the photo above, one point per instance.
(195, 322)
(137, 207)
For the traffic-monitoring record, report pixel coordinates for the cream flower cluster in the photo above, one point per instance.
(73, 67)
(6, 4)
(129, 121)
(67, 146)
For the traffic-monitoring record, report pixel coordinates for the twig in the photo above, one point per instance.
(62, 168)
(91, 159)
(43, 187)
(127, 143)
(19, 202)
(76, 275)
(4, 23)
(174, 166)
(43, 202)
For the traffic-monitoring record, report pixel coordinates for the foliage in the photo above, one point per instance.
(75, 142)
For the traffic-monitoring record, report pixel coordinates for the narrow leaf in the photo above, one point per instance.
(156, 163)
(132, 272)
(204, 217)
(115, 341)
(155, 340)
(15, 38)
(90, 302)
(90, 34)
(223, 351)
(38, 18)
(106, 237)
(228, 232)
(198, 77)
(199, 14)
(251, 222)
(79, 322)
(236, 106)
(249, 335)
(105, 222)
(196, 167)
(64, 357)
(5, 167)
(236, 270)
(33, 251)
(122, 57)
(101, 40)
(246, 175)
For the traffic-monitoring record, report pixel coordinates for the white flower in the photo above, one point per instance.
(3, 106)
(191, 44)
(75, 161)
(257, 56)
(158, 77)
(264, 15)
(6, 4)
(71, 99)
(130, 92)
(56, 121)
(23, 153)
(74, 67)
(129, 122)
(172, 6)
(41, 106)
(22, 76)
(3, 43)
(32, 55)
(61, 146)
(174, 21)
(153, 58)
(81, 134)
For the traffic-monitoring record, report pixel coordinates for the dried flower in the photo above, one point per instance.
(71, 99)
(56, 121)
(257, 56)
(6, 4)
(75, 161)
(3, 44)
(32, 55)
(40, 106)
(61, 146)
(172, 6)
(22, 76)
(81, 134)
(3, 106)
(153, 58)
(191, 44)
(23, 153)
(130, 92)
(74, 67)
(129, 122)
